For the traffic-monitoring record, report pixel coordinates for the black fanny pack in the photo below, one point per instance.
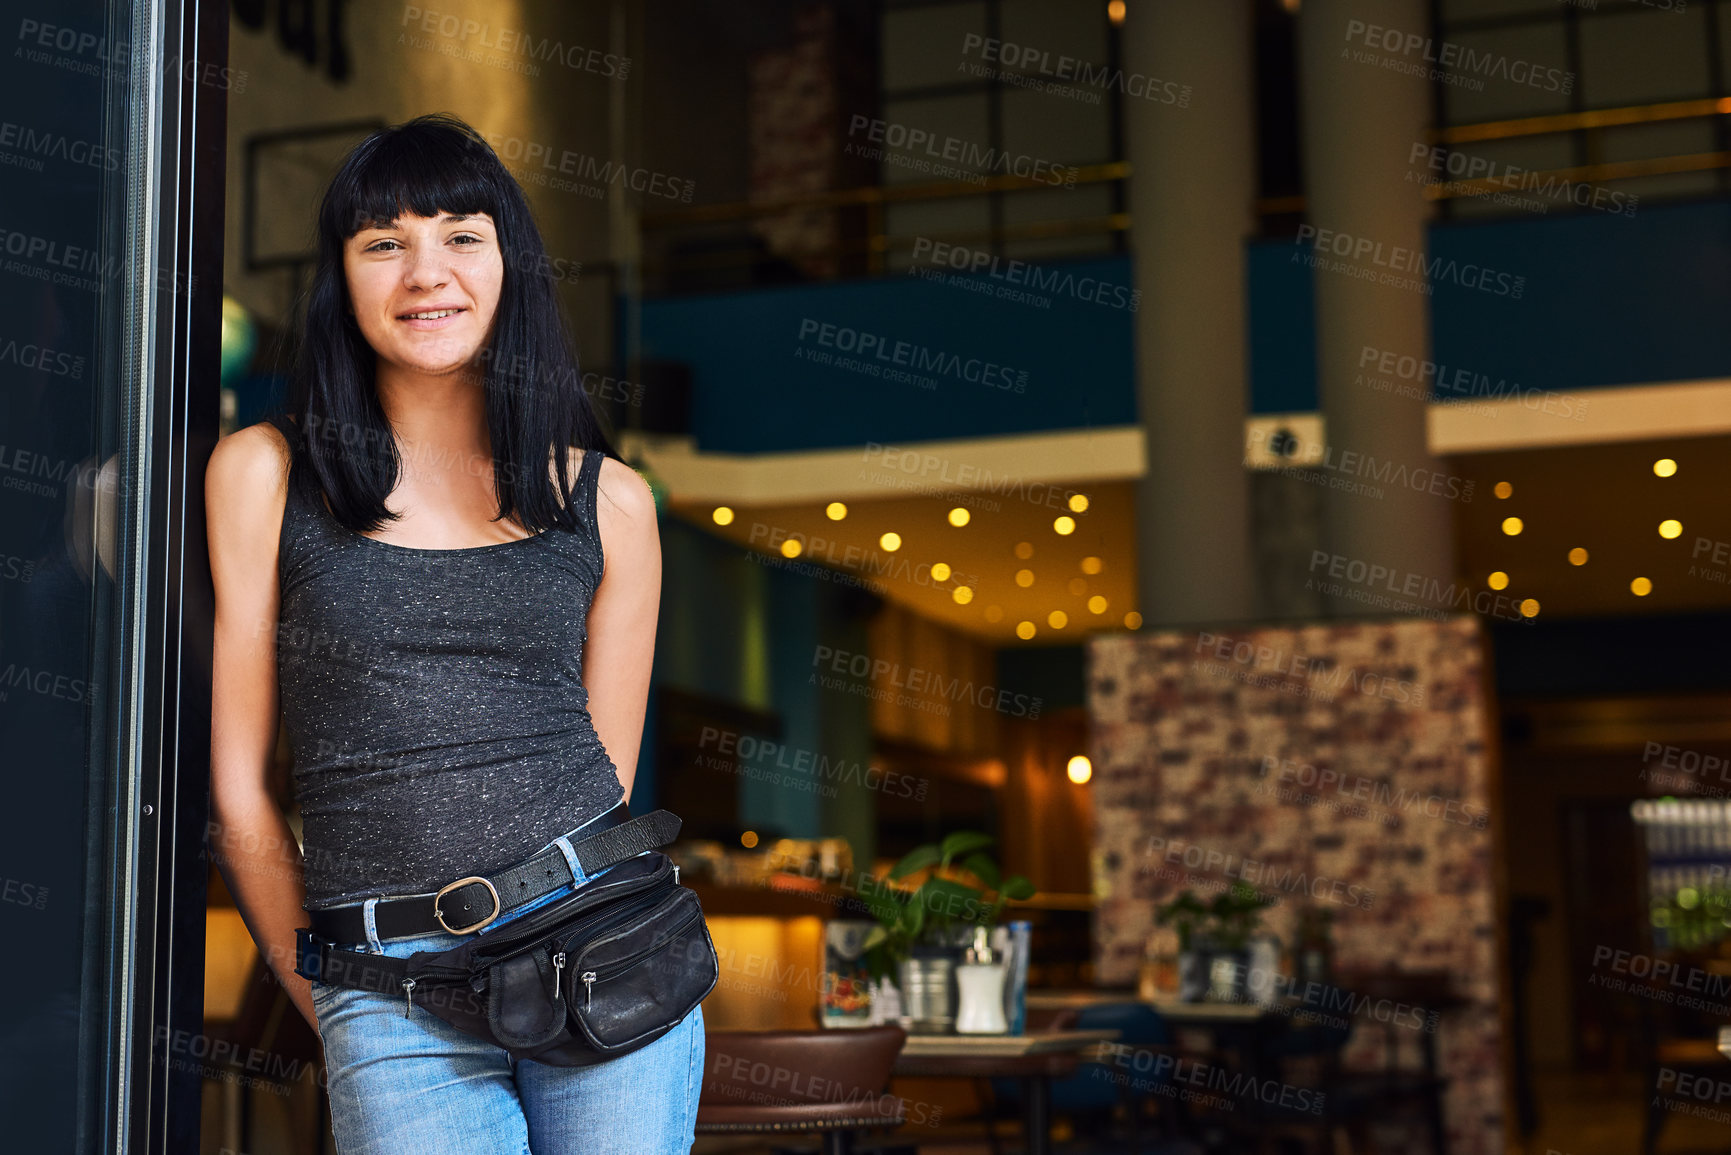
(591, 977)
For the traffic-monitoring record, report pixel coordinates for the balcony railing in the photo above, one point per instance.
(874, 242)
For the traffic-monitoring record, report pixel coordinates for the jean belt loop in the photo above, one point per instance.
(563, 842)
(372, 926)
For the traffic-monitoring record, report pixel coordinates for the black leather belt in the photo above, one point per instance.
(470, 904)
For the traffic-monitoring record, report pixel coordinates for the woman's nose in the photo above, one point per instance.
(427, 269)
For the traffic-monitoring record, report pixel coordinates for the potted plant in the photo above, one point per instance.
(1237, 913)
(915, 942)
(1214, 941)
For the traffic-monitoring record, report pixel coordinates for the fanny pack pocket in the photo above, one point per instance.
(621, 986)
(590, 978)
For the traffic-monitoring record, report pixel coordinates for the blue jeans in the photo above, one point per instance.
(419, 1085)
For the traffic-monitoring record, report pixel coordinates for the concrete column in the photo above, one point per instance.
(1360, 121)
(1192, 204)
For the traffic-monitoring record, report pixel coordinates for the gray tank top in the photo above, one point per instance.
(434, 699)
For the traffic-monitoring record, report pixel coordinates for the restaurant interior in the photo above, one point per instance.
(1227, 485)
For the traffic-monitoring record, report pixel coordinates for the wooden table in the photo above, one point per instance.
(1034, 1059)
(1170, 1009)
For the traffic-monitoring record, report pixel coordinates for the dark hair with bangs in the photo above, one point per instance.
(536, 407)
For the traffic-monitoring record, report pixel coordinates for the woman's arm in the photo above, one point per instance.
(621, 647)
(244, 494)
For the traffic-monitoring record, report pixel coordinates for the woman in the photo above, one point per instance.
(434, 560)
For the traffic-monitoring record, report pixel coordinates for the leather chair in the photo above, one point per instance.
(830, 1083)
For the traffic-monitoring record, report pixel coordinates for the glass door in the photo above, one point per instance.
(111, 130)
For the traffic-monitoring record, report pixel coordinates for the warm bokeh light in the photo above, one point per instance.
(1498, 580)
(1024, 578)
(1512, 526)
(1079, 769)
(1577, 556)
(890, 542)
(1057, 619)
(962, 595)
(1670, 527)
(835, 511)
(1078, 503)
(722, 515)
(792, 547)
(1065, 525)
(1664, 467)
(1092, 565)
(1504, 489)
(1132, 620)
(959, 516)
(940, 571)
(748, 839)
(1096, 604)
(1024, 630)
(1641, 587)
(1115, 11)
(1530, 608)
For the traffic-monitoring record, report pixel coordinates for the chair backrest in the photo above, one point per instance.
(1135, 1022)
(789, 1067)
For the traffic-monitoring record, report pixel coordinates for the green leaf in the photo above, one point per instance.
(964, 842)
(945, 900)
(915, 861)
(885, 906)
(878, 936)
(914, 919)
(1018, 888)
(983, 868)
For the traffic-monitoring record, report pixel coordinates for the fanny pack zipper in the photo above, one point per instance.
(603, 914)
(590, 978)
(640, 906)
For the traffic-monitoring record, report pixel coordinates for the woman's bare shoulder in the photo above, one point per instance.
(247, 475)
(625, 490)
(621, 488)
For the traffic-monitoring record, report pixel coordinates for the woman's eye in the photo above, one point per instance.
(379, 246)
(468, 238)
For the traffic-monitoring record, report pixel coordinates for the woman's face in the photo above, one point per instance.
(424, 289)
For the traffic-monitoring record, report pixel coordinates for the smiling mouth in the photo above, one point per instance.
(429, 315)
